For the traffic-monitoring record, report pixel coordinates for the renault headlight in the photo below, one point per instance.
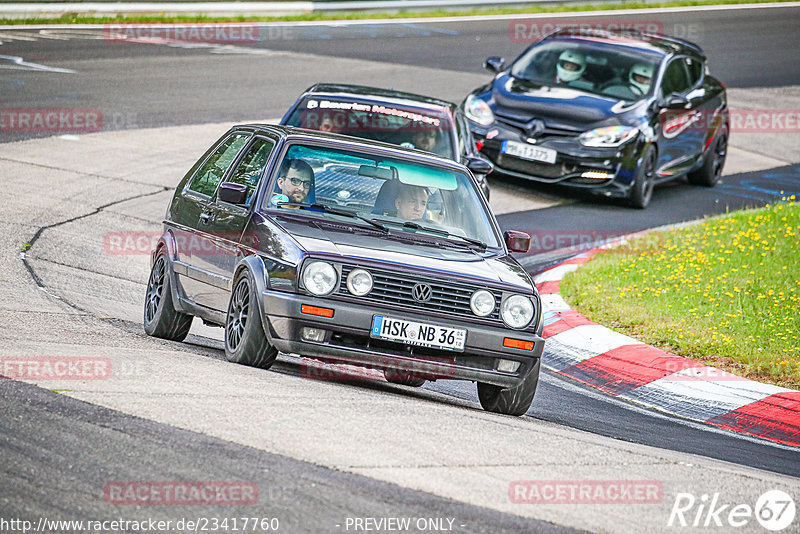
(608, 136)
(517, 311)
(478, 111)
(320, 277)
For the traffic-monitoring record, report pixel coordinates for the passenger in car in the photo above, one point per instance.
(296, 180)
(411, 201)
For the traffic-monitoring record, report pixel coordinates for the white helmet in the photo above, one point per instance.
(641, 76)
(571, 65)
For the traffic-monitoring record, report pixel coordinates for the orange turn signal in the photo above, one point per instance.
(517, 344)
(315, 310)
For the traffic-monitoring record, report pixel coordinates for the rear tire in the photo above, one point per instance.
(708, 175)
(644, 181)
(404, 380)
(161, 319)
(245, 341)
(510, 401)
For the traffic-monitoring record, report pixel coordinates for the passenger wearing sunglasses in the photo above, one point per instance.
(296, 179)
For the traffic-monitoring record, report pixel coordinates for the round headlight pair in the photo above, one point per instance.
(321, 278)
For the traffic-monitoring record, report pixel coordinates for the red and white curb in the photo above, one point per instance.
(624, 367)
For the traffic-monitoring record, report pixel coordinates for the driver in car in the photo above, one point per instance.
(570, 68)
(296, 179)
(411, 202)
(640, 76)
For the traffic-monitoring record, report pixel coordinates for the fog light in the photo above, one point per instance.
(597, 175)
(317, 335)
(507, 366)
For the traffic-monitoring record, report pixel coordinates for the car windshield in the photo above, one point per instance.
(402, 196)
(613, 71)
(418, 128)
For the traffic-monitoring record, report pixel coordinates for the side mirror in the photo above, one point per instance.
(479, 165)
(675, 101)
(494, 64)
(517, 241)
(232, 193)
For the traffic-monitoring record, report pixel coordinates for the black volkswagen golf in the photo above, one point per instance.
(348, 250)
(611, 114)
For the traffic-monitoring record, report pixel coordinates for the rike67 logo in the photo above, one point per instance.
(774, 510)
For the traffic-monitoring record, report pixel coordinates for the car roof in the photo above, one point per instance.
(652, 42)
(376, 93)
(348, 142)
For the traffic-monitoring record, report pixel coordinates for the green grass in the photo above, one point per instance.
(725, 292)
(84, 19)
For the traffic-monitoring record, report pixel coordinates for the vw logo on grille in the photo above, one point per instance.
(422, 292)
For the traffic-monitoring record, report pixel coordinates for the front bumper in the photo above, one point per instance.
(576, 165)
(348, 340)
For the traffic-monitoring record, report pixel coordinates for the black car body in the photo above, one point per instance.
(603, 133)
(290, 276)
(388, 115)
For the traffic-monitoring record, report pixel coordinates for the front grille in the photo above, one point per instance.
(544, 170)
(395, 288)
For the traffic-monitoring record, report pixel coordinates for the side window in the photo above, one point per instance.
(695, 69)
(208, 176)
(251, 167)
(676, 78)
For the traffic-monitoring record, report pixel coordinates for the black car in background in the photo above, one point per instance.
(406, 119)
(610, 114)
(256, 240)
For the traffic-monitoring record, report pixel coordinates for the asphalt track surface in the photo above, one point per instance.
(139, 86)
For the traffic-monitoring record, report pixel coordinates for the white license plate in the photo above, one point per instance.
(531, 152)
(420, 334)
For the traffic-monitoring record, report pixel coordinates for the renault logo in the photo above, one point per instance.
(535, 129)
(422, 292)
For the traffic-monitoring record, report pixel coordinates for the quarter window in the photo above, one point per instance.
(251, 167)
(208, 177)
(676, 78)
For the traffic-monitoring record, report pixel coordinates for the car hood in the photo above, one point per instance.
(404, 255)
(560, 107)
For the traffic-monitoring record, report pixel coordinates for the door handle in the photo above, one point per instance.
(205, 217)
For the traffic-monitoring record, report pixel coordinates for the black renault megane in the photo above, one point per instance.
(612, 114)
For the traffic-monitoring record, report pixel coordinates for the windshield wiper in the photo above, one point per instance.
(441, 232)
(334, 211)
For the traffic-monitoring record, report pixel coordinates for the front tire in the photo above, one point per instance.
(644, 181)
(708, 175)
(245, 341)
(161, 319)
(510, 401)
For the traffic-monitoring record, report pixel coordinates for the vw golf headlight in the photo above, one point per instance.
(517, 311)
(478, 111)
(482, 303)
(320, 277)
(608, 136)
(359, 282)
